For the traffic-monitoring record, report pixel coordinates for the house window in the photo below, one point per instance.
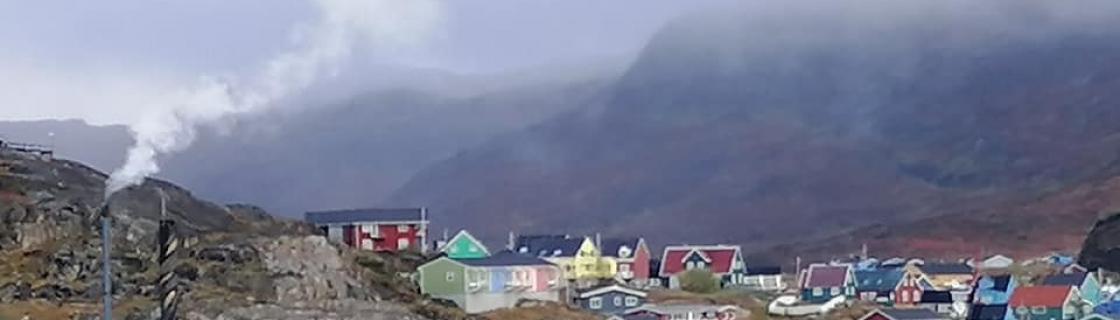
(402, 243)
(624, 267)
(1038, 310)
(450, 276)
(906, 297)
(631, 301)
(595, 303)
(817, 292)
(835, 291)
(617, 301)
(402, 228)
(472, 249)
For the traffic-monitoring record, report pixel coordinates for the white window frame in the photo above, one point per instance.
(632, 301)
(835, 291)
(617, 301)
(905, 296)
(818, 291)
(595, 303)
(403, 243)
(1038, 310)
(623, 267)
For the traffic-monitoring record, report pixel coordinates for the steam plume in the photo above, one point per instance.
(319, 50)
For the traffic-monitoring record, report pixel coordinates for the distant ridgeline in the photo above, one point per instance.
(42, 151)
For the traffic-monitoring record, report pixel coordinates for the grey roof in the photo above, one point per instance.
(365, 215)
(988, 312)
(878, 280)
(611, 246)
(1069, 279)
(549, 245)
(505, 258)
(946, 268)
(911, 314)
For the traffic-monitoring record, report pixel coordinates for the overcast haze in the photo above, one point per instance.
(101, 60)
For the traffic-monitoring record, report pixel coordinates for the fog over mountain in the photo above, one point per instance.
(762, 123)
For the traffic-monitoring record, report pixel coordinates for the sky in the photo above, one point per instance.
(104, 61)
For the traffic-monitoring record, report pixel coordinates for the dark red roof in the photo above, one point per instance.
(1040, 296)
(722, 258)
(826, 276)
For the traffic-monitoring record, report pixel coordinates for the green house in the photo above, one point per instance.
(465, 246)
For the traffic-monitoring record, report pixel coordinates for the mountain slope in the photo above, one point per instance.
(776, 125)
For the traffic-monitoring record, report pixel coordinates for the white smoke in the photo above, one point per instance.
(319, 50)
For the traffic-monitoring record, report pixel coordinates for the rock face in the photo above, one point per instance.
(1102, 246)
(238, 262)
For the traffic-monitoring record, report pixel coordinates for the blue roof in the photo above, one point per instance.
(549, 245)
(365, 215)
(946, 268)
(1070, 279)
(505, 258)
(1108, 308)
(878, 280)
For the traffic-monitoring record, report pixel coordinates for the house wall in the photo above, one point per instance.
(987, 295)
(464, 248)
(433, 278)
(589, 263)
(489, 301)
(1049, 314)
(945, 282)
(640, 267)
(1091, 290)
(390, 234)
(608, 306)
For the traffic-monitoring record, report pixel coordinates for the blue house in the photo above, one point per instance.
(1085, 282)
(879, 286)
(611, 300)
(995, 290)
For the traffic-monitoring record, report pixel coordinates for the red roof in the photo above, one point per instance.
(1040, 296)
(826, 276)
(722, 258)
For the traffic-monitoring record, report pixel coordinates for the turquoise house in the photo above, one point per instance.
(1086, 283)
(995, 290)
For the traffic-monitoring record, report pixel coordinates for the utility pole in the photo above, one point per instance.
(107, 264)
(168, 243)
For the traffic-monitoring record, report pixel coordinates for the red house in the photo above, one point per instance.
(632, 257)
(383, 230)
(724, 261)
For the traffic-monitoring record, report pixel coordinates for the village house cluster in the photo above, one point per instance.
(613, 276)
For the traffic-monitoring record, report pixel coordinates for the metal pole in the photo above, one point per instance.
(106, 269)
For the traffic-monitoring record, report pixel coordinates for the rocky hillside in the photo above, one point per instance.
(1102, 246)
(783, 124)
(240, 262)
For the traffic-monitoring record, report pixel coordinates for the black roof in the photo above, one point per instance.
(1069, 279)
(505, 258)
(946, 268)
(763, 270)
(549, 245)
(611, 246)
(911, 314)
(937, 297)
(987, 312)
(365, 215)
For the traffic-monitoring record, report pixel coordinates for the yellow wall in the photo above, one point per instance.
(588, 263)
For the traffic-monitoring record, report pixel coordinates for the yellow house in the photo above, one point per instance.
(947, 276)
(578, 257)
